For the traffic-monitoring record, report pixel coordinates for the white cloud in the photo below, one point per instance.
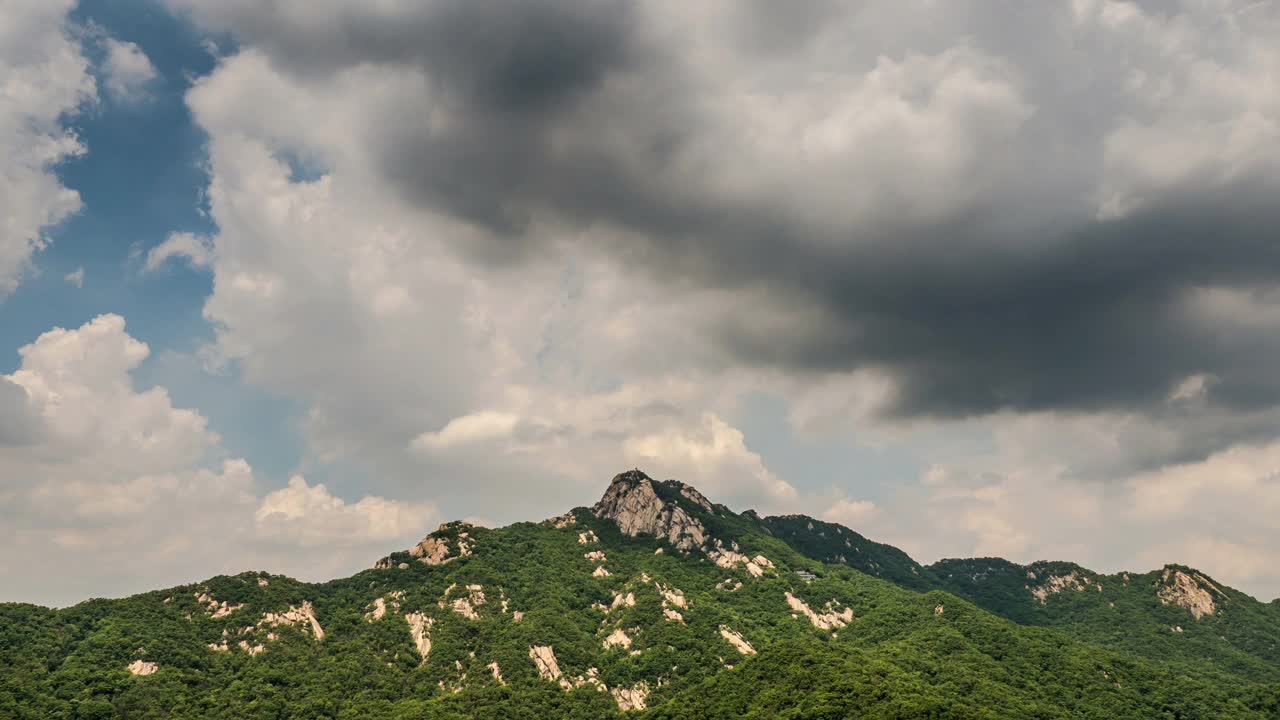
(75, 277)
(43, 77)
(477, 427)
(128, 70)
(307, 515)
(713, 456)
(196, 250)
(109, 489)
(851, 513)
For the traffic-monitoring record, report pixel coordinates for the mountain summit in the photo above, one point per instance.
(658, 603)
(634, 503)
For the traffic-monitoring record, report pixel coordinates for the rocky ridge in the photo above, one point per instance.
(655, 565)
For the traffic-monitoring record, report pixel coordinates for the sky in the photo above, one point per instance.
(284, 285)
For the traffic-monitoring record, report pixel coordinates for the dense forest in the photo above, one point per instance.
(655, 603)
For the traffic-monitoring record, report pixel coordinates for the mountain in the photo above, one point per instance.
(654, 603)
(1175, 614)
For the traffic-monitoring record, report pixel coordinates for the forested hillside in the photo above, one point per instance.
(654, 603)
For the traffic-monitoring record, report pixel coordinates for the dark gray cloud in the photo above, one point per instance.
(986, 272)
(1096, 320)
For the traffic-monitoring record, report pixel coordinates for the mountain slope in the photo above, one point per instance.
(1176, 614)
(832, 543)
(655, 602)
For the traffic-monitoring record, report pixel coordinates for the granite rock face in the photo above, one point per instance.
(1192, 592)
(450, 541)
(633, 503)
(632, 698)
(420, 632)
(738, 642)
(304, 615)
(142, 668)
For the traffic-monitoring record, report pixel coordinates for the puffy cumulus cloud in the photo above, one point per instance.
(127, 70)
(546, 450)
(308, 515)
(78, 381)
(109, 489)
(43, 78)
(605, 225)
(714, 457)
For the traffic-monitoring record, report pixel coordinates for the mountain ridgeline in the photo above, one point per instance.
(655, 603)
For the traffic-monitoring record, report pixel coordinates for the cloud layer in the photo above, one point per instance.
(956, 217)
(494, 249)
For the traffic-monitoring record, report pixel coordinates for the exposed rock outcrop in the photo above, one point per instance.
(632, 502)
(544, 659)
(617, 638)
(730, 558)
(449, 542)
(431, 551)
(216, 609)
(737, 641)
(587, 537)
(1192, 592)
(305, 614)
(1074, 580)
(691, 493)
(381, 604)
(142, 668)
(632, 698)
(673, 597)
(420, 632)
(252, 648)
(829, 619)
(561, 522)
(466, 606)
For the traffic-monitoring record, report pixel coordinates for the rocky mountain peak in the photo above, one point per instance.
(635, 504)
